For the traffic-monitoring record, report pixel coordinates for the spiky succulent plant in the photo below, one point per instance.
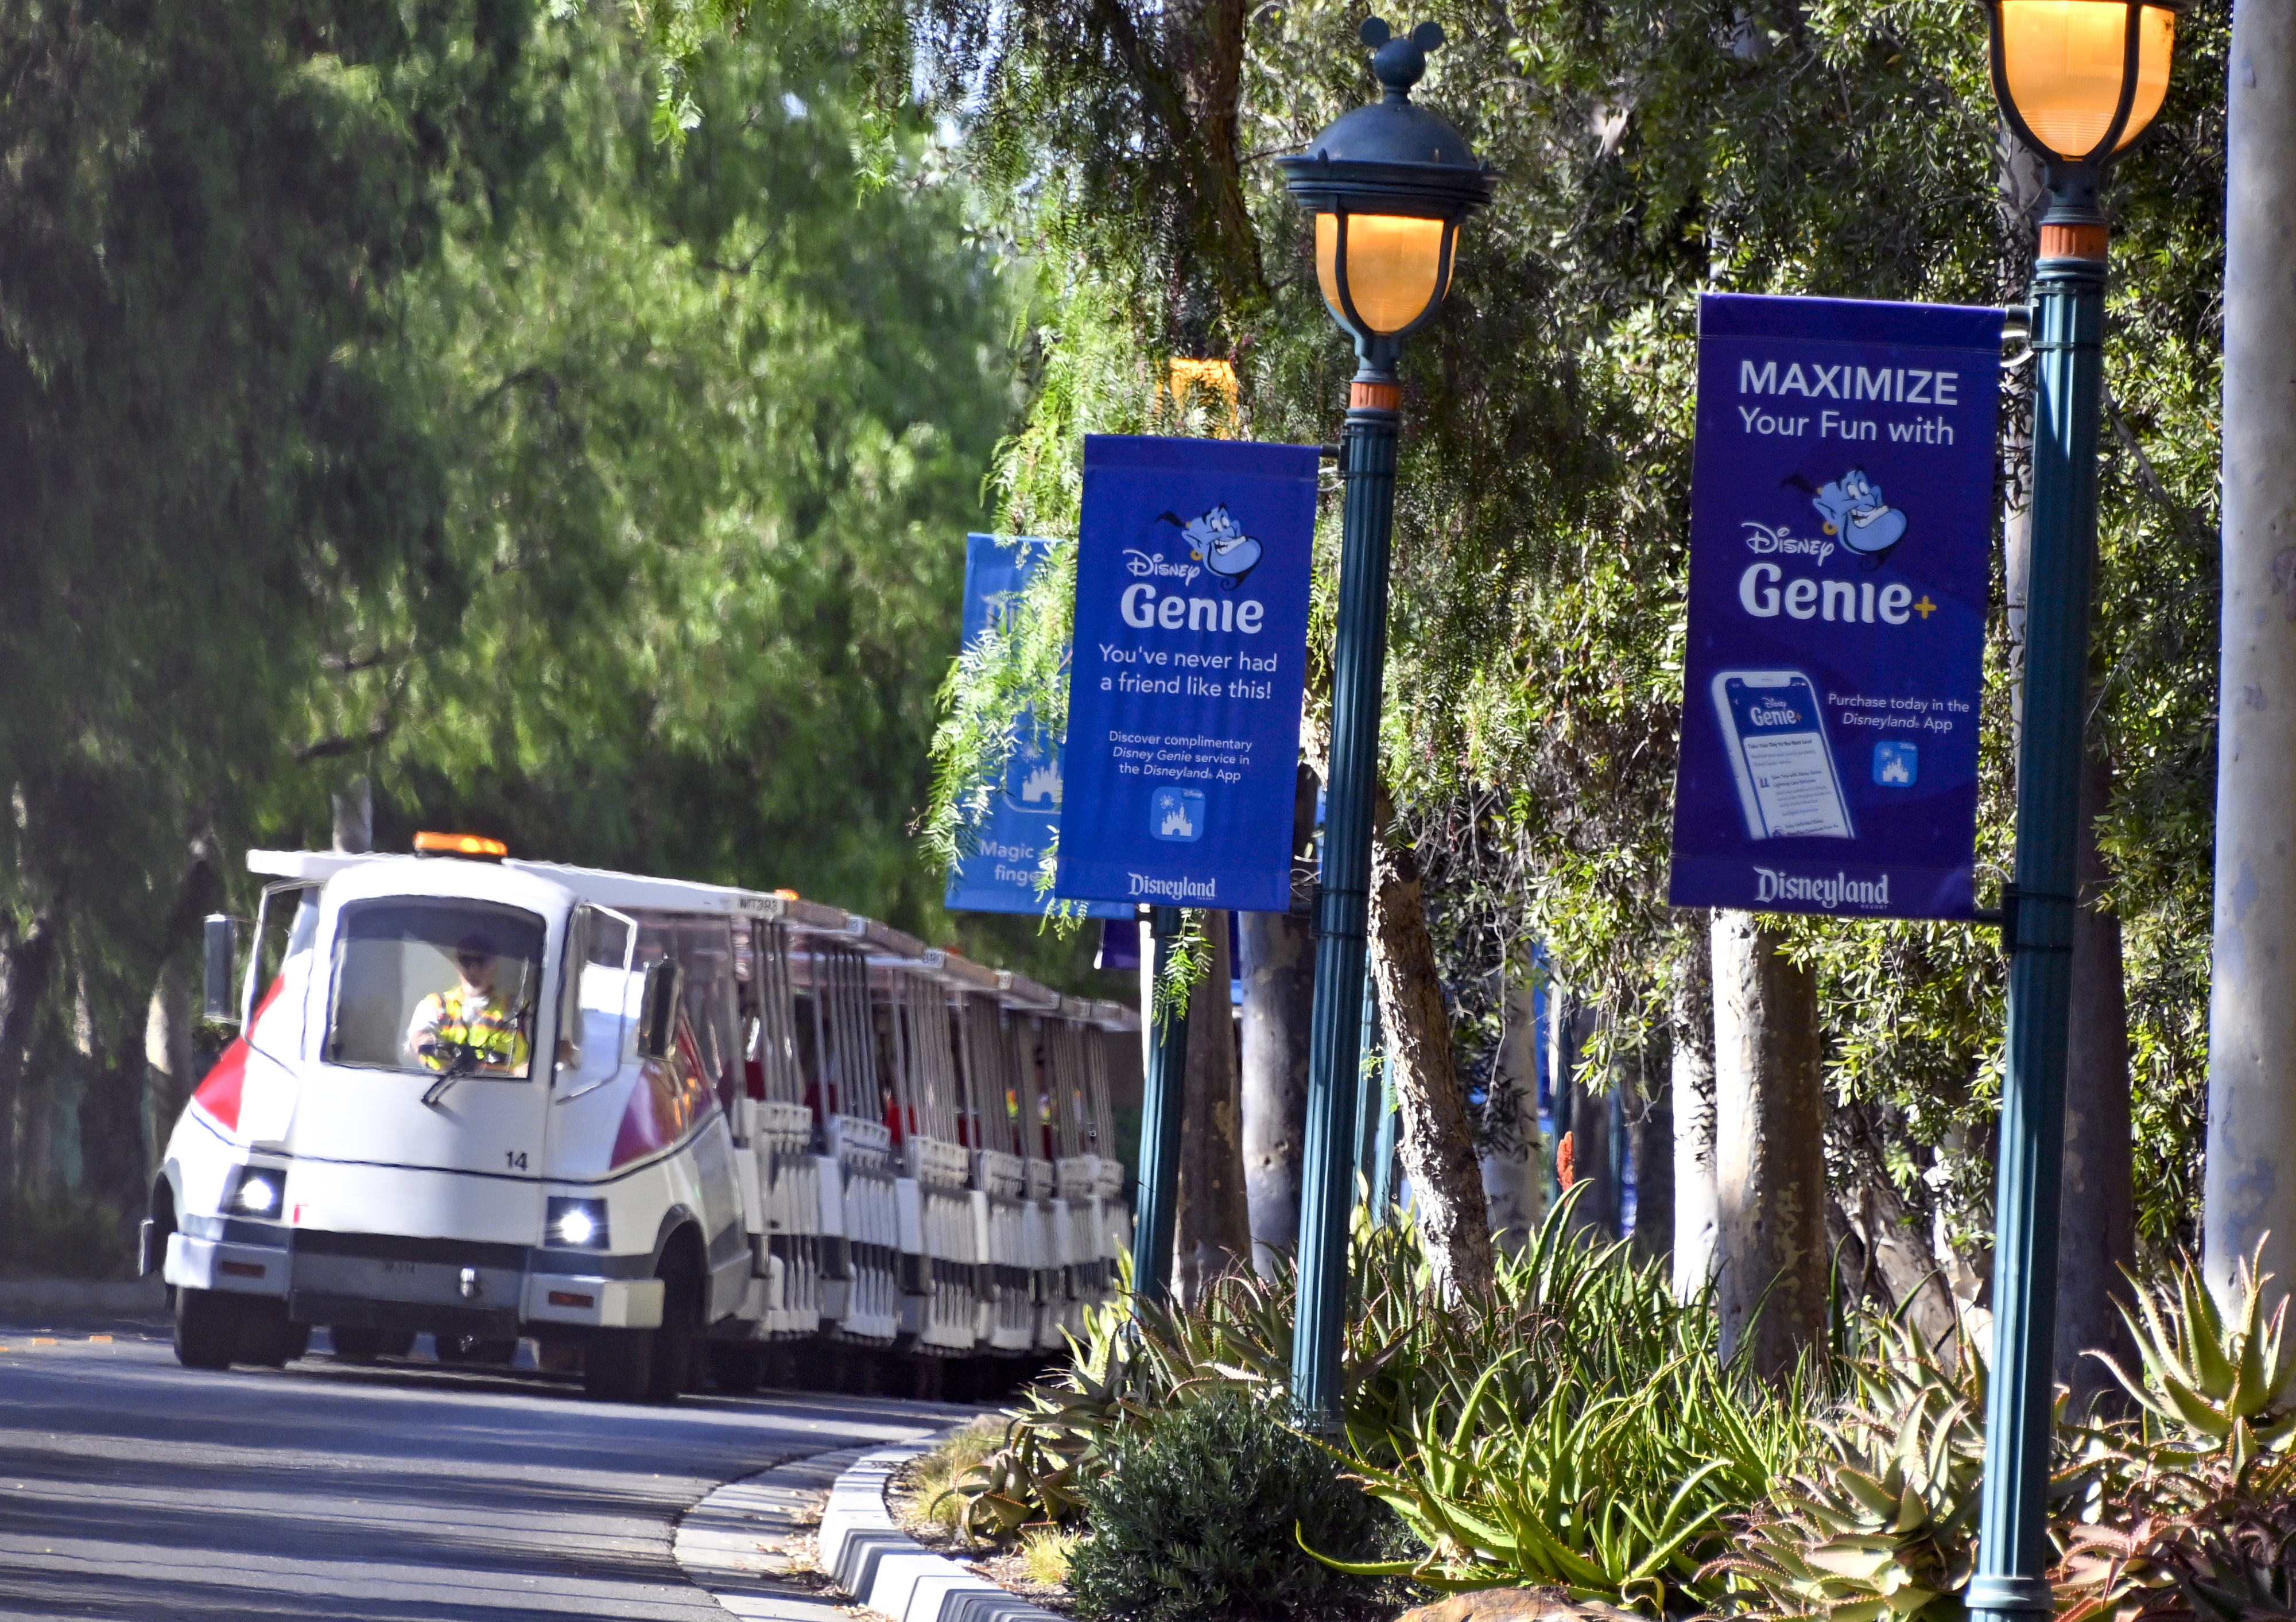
(1886, 1525)
(2223, 1383)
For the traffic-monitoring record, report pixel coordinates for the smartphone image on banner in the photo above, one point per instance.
(1775, 734)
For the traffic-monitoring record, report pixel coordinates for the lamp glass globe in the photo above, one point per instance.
(1392, 262)
(2063, 61)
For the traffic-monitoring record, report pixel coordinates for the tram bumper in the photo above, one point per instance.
(236, 1265)
(601, 1303)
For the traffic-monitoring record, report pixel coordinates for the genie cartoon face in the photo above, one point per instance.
(1853, 510)
(1215, 541)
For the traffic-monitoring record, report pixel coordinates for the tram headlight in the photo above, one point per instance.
(580, 1224)
(255, 1192)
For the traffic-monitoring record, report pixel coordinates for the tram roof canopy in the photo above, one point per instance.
(641, 893)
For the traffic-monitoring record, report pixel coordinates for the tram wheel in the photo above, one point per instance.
(207, 1328)
(269, 1337)
(617, 1365)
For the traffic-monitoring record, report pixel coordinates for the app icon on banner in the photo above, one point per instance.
(1176, 814)
(1896, 764)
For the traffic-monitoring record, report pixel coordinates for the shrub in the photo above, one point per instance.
(1045, 1553)
(1200, 1519)
(932, 1477)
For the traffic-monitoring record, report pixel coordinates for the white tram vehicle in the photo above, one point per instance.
(656, 1126)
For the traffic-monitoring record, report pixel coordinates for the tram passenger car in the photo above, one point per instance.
(729, 1125)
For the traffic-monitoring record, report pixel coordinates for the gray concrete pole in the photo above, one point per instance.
(2250, 1185)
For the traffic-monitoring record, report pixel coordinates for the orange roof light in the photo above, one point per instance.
(786, 894)
(460, 844)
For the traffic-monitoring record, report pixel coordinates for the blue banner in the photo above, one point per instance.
(1001, 874)
(1841, 514)
(1191, 653)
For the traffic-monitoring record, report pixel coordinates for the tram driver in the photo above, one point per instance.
(473, 1022)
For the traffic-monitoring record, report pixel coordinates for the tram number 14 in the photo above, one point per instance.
(515, 1158)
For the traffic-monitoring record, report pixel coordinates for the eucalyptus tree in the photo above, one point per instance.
(725, 407)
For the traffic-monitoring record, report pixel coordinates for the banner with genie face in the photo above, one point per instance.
(1191, 656)
(1840, 526)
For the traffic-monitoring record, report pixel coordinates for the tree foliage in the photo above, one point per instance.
(1648, 151)
(383, 398)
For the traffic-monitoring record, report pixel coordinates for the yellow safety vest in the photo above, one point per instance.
(459, 1019)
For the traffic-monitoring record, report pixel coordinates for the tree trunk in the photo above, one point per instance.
(2098, 1237)
(1437, 1143)
(1595, 1155)
(1279, 996)
(355, 817)
(167, 1059)
(1514, 1160)
(1279, 1005)
(1214, 1220)
(1770, 1160)
(1691, 1068)
(1650, 1118)
(167, 1022)
(2251, 1152)
(26, 968)
(1890, 1250)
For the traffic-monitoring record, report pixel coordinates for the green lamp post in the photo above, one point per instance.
(2077, 80)
(1389, 185)
(1164, 1086)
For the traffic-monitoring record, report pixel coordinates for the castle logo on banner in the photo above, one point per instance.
(1191, 655)
(1840, 517)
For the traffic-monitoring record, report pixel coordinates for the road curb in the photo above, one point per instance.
(729, 1544)
(26, 1300)
(891, 1572)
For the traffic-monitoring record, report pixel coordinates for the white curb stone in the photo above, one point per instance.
(888, 1570)
(731, 1543)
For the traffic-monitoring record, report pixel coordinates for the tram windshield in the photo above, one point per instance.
(436, 986)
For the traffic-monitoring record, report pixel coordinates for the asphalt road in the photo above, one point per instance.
(132, 1488)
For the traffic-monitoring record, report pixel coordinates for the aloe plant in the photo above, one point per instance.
(2211, 1543)
(2220, 1384)
(1886, 1525)
(1592, 1496)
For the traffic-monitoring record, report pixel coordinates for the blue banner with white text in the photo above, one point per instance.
(1191, 654)
(1841, 524)
(1000, 875)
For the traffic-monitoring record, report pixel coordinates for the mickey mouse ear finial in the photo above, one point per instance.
(1398, 62)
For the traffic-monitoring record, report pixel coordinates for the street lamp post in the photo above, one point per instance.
(1163, 1088)
(1389, 185)
(2077, 80)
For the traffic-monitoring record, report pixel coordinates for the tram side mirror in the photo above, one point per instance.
(657, 1010)
(221, 944)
